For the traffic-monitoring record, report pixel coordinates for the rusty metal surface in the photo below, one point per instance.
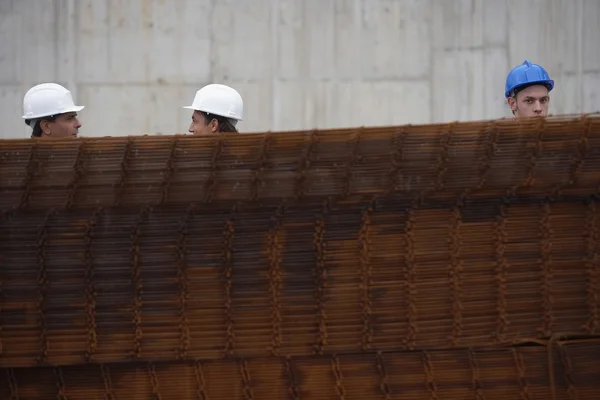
(295, 279)
(328, 247)
(543, 370)
(535, 156)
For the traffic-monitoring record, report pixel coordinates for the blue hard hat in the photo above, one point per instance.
(527, 74)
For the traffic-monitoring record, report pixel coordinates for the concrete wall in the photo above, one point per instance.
(297, 63)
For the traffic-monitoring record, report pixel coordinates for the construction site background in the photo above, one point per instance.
(298, 64)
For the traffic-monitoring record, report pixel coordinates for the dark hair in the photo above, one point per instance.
(224, 124)
(37, 129)
(520, 88)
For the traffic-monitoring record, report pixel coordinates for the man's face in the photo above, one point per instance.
(200, 127)
(65, 125)
(530, 102)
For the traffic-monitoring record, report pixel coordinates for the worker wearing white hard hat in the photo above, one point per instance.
(217, 108)
(49, 110)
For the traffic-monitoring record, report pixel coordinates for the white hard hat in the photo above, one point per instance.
(219, 100)
(48, 99)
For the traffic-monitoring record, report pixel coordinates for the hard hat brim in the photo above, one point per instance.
(70, 109)
(549, 83)
(211, 112)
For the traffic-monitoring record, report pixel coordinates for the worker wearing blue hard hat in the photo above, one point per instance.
(527, 90)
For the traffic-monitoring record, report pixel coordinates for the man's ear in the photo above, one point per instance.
(214, 125)
(512, 103)
(45, 127)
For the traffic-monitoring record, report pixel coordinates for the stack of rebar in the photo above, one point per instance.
(435, 261)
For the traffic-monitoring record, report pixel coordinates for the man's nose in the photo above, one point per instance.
(77, 123)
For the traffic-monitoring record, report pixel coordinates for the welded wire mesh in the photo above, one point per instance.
(297, 279)
(334, 248)
(532, 156)
(564, 370)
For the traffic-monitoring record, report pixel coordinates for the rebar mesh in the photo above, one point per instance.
(490, 158)
(359, 263)
(563, 370)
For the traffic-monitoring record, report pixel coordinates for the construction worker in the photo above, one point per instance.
(217, 108)
(49, 110)
(527, 88)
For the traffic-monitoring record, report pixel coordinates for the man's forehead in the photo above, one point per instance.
(69, 114)
(534, 91)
